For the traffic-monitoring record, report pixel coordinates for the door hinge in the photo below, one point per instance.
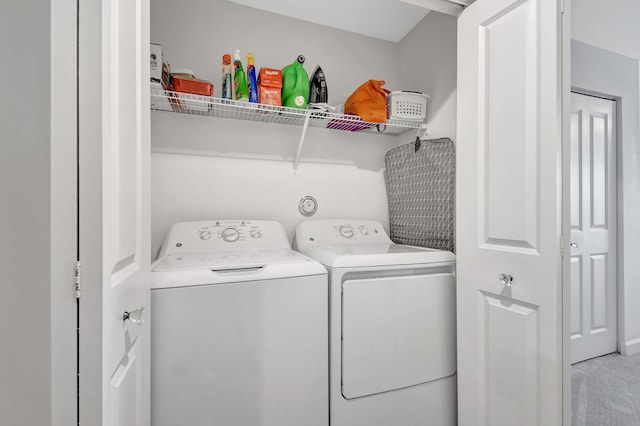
(561, 246)
(561, 6)
(76, 278)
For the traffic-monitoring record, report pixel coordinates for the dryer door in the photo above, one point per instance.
(397, 332)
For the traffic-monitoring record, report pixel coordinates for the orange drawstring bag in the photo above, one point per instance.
(369, 102)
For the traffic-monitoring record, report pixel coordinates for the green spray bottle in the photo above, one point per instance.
(295, 85)
(240, 79)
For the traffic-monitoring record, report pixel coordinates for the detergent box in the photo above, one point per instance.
(270, 86)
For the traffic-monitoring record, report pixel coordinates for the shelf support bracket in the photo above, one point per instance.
(305, 126)
(423, 131)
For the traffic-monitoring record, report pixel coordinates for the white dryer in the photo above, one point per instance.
(239, 328)
(392, 325)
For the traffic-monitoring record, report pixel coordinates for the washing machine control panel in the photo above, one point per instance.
(360, 231)
(337, 232)
(224, 235)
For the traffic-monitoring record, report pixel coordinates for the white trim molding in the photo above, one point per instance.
(630, 347)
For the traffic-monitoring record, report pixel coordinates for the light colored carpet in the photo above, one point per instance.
(606, 391)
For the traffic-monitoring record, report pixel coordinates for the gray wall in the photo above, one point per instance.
(196, 35)
(607, 73)
(265, 186)
(428, 60)
(25, 303)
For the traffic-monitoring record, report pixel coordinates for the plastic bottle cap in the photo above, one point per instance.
(301, 59)
(226, 59)
(250, 58)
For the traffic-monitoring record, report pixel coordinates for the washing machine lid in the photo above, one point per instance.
(367, 255)
(225, 260)
(202, 268)
(359, 243)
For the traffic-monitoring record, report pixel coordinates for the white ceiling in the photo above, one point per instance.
(384, 19)
(450, 7)
(609, 24)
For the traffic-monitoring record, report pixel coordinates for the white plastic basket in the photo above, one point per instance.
(410, 106)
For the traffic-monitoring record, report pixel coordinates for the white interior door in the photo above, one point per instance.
(114, 212)
(126, 243)
(509, 213)
(593, 228)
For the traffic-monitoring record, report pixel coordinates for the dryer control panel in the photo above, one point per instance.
(224, 235)
(340, 232)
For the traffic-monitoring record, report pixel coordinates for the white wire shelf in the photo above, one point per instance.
(184, 103)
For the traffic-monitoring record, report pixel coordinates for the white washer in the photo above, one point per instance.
(239, 328)
(392, 325)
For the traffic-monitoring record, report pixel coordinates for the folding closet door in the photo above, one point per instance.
(114, 203)
(509, 213)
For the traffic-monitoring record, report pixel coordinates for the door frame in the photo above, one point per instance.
(619, 209)
(63, 214)
(565, 237)
(90, 223)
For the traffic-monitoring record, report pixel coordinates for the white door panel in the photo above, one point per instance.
(125, 224)
(593, 228)
(510, 339)
(576, 296)
(508, 127)
(509, 204)
(114, 176)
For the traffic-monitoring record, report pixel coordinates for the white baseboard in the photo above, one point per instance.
(630, 347)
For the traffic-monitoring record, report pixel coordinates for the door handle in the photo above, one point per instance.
(134, 316)
(505, 279)
(574, 245)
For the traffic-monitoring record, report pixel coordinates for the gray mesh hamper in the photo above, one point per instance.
(420, 180)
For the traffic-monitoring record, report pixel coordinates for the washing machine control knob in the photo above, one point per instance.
(346, 231)
(364, 230)
(205, 235)
(230, 235)
(255, 233)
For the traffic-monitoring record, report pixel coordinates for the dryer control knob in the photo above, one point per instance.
(364, 230)
(204, 235)
(255, 233)
(346, 231)
(230, 235)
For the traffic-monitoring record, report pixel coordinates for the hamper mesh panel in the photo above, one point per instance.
(421, 193)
